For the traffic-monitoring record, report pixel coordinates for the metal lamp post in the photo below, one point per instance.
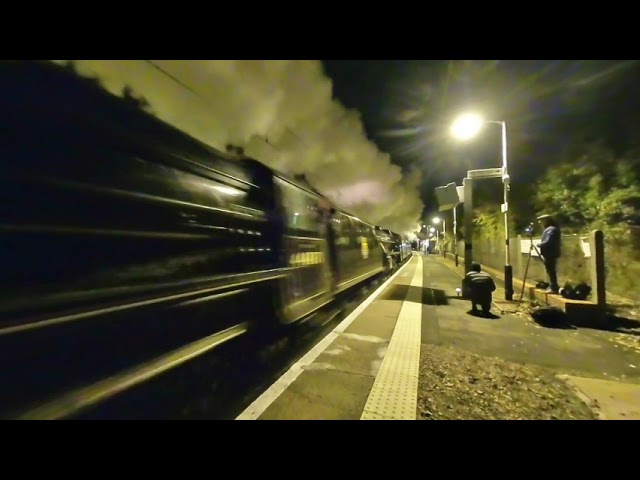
(465, 128)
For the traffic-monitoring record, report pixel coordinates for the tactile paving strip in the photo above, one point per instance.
(394, 395)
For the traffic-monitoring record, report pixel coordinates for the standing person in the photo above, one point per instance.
(478, 287)
(549, 247)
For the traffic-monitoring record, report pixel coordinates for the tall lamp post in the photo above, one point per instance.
(437, 220)
(465, 128)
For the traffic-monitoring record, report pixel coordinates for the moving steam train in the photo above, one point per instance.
(114, 224)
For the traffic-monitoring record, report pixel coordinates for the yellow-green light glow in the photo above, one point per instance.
(467, 126)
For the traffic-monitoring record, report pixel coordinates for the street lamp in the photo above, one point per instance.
(465, 128)
(437, 220)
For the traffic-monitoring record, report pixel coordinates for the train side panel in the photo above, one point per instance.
(358, 251)
(120, 238)
(387, 245)
(307, 285)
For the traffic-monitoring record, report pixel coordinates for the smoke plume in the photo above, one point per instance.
(283, 114)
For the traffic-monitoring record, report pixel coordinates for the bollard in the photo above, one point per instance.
(599, 292)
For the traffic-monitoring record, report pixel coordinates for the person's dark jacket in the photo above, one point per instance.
(478, 285)
(550, 243)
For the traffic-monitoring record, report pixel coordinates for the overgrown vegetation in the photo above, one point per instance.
(594, 189)
(590, 187)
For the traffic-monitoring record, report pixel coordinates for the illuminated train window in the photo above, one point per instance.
(301, 207)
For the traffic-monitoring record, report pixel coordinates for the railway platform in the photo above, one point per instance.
(368, 367)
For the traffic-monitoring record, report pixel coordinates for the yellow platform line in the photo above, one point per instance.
(394, 395)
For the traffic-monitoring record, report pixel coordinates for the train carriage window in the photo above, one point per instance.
(301, 208)
(343, 229)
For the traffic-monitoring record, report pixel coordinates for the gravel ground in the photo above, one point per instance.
(459, 385)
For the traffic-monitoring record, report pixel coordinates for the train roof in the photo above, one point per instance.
(303, 183)
(49, 92)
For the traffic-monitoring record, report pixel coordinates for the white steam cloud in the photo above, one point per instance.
(283, 114)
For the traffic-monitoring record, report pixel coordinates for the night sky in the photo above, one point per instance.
(407, 107)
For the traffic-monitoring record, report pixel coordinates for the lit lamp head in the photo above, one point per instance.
(467, 126)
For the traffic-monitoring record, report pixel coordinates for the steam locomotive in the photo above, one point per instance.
(122, 237)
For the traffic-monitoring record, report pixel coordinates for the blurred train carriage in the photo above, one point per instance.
(122, 237)
(395, 247)
(329, 250)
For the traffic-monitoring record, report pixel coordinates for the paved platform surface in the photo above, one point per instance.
(611, 400)
(367, 367)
